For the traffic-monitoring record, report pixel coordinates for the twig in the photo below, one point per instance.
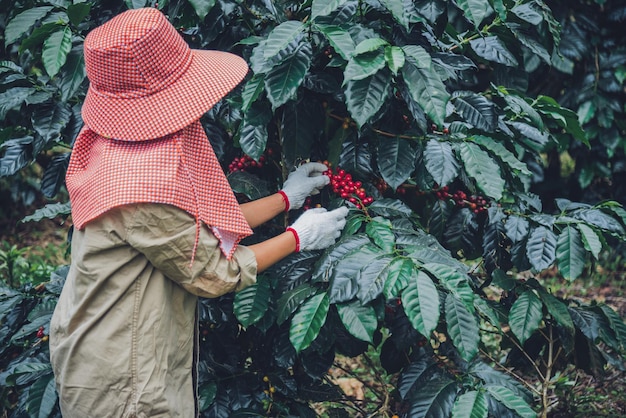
(511, 372)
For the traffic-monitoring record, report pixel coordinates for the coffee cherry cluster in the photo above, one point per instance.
(476, 204)
(308, 204)
(348, 189)
(245, 162)
(381, 185)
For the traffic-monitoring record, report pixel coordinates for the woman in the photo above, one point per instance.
(156, 224)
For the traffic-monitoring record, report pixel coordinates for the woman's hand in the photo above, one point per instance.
(315, 229)
(318, 228)
(304, 181)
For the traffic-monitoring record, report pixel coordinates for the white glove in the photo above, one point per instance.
(317, 228)
(305, 180)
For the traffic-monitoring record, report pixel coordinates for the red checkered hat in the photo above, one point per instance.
(142, 140)
(145, 81)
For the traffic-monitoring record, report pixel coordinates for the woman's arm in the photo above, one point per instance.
(273, 250)
(262, 210)
(304, 180)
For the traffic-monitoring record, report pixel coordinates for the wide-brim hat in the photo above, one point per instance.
(145, 80)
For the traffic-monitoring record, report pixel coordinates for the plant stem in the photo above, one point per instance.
(511, 373)
(548, 376)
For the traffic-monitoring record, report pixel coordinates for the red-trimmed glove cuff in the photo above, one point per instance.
(285, 199)
(295, 235)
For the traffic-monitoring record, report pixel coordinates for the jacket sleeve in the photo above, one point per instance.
(166, 236)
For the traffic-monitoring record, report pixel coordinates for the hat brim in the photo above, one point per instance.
(210, 76)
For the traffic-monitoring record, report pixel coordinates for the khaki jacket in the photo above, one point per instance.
(122, 335)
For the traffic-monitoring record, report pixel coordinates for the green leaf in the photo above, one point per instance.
(565, 118)
(49, 211)
(418, 56)
(339, 39)
(371, 279)
(399, 273)
(38, 35)
(481, 167)
(12, 98)
(440, 162)
(49, 119)
(591, 240)
(344, 282)
(486, 311)
(598, 218)
(394, 56)
(27, 372)
(396, 160)
(291, 300)
(558, 310)
(390, 208)
(77, 12)
(586, 111)
(570, 253)
(586, 321)
(502, 153)
(511, 400)
(520, 107)
(17, 154)
(476, 110)
(471, 404)
(427, 89)
(135, 4)
(72, 74)
(364, 98)
(206, 395)
(363, 66)
(55, 50)
(403, 11)
(379, 230)
(455, 281)
(434, 400)
(302, 122)
(531, 136)
(439, 215)
(282, 82)
(252, 90)
(525, 315)
(527, 13)
(616, 322)
(251, 303)
(201, 7)
(281, 36)
(308, 320)
(462, 327)
(325, 7)
(475, 10)
(253, 135)
(325, 266)
(42, 397)
(360, 321)
(421, 302)
(369, 45)
(248, 184)
(353, 224)
(23, 22)
(616, 208)
(541, 248)
(491, 48)
(528, 39)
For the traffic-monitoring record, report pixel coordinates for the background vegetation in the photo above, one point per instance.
(479, 143)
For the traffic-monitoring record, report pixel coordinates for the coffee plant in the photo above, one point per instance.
(440, 126)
